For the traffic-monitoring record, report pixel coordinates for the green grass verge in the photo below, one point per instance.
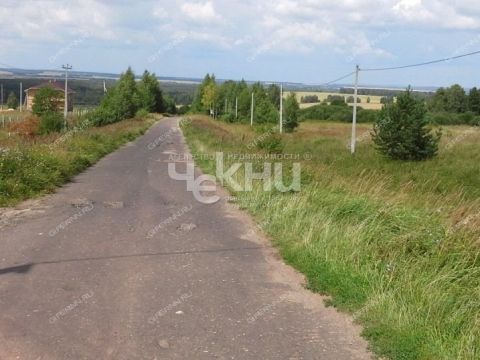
(404, 271)
(35, 167)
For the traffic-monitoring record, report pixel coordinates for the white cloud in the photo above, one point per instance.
(200, 12)
(159, 12)
(435, 13)
(204, 36)
(347, 25)
(255, 27)
(46, 20)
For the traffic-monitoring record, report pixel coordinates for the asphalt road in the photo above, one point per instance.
(124, 263)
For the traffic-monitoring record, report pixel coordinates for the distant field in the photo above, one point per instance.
(374, 100)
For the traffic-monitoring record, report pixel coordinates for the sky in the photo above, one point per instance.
(308, 41)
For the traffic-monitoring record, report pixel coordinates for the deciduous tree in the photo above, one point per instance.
(46, 100)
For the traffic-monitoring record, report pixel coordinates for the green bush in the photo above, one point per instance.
(12, 101)
(338, 102)
(442, 118)
(344, 114)
(272, 144)
(367, 116)
(169, 104)
(445, 118)
(467, 118)
(46, 101)
(322, 112)
(182, 110)
(103, 116)
(265, 112)
(141, 113)
(230, 117)
(51, 122)
(338, 113)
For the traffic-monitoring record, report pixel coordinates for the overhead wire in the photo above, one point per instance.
(422, 63)
(398, 67)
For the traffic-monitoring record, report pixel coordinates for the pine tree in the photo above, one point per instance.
(292, 110)
(126, 101)
(401, 131)
(12, 101)
(150, 94)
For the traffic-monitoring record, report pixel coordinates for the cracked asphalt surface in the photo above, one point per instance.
(124, 263)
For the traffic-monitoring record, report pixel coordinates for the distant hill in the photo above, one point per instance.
(89, 85)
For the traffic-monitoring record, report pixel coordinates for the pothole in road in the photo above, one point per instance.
(81, 202)
(114, 204)
(163, 344)
(187, 227)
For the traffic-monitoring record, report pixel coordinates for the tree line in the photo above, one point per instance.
(126, 99)
(90, 92)
(455, 99)
(129, 98)
(453, 105)
(231, 101)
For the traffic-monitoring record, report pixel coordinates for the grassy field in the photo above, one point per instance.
(396, 244)
(373, 105)
(33, 166)
(7, 117)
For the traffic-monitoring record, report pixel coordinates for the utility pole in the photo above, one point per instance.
(226, 105)
(354, 122)
(21, 97)
(65, 107)
(281, 108)
(1, 94)
(236, 108)
(251, 110)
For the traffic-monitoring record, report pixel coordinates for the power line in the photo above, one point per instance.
(338, 79)
(423, 63)
(399, 67)
(331, 82)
